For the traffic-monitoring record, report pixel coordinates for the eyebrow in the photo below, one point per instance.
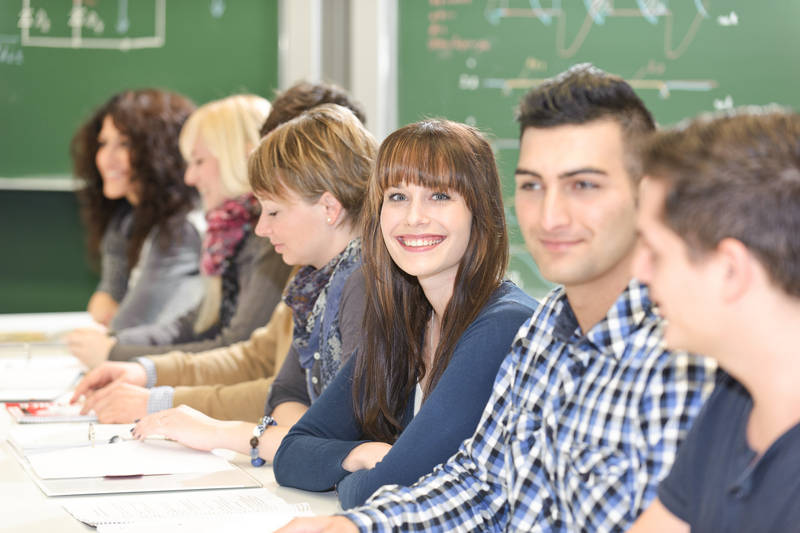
(563, 175)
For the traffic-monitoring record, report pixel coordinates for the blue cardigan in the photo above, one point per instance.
(310, 456)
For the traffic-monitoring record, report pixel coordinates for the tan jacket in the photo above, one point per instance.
(229, 383)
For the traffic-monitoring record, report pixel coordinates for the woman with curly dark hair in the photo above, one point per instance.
(137, 209)
(243, 275)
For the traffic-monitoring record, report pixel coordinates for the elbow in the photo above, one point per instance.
(351, 491)
(281, 465)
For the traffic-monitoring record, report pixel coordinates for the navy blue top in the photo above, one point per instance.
(719, 484)
(310, 456)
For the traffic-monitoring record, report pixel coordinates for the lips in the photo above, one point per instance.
(420, 243)
(558, 245)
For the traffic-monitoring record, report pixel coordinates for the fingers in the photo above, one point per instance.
(153, 424)
(319, 524)
(95, 379)
(117, 403)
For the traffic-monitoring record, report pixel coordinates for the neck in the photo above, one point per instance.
(438, 291)
(760, 351)
(591, 301)
(339, 239)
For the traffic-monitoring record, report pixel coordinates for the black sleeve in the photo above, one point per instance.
(290, 383)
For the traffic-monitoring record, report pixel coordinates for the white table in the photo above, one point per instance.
(24, 508)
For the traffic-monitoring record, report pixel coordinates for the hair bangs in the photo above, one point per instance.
(423, 160)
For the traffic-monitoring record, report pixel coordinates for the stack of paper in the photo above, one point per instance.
(45, 437)
(48, 412)
(126, 458)
(39, 377)
(192, 511)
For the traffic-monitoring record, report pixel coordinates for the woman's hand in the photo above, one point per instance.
(365, 456)
(102, 307)
(183, 424)
(107, 373)
(90, 345)
(118, 403)
(320, 524)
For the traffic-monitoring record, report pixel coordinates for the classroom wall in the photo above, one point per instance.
(468, 60)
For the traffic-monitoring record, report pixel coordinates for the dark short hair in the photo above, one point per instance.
(303, 96)
(735, 175)
(583, 94)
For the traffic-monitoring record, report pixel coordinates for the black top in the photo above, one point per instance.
(719, 484)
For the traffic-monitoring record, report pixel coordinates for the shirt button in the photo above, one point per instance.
(314, 380)
(316, 356)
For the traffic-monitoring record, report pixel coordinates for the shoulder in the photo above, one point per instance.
(354, 283)
(730, 401)
(188, 227)
(254, 249)
(500, 319)
(508, 299)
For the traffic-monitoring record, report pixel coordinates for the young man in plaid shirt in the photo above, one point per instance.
(588, 409)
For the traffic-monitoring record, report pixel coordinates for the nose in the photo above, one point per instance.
(555, 212)
(262, 228)
(189, 177)
(415, 214)
(102, 158)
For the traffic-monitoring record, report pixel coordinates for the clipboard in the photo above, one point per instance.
(232, 478)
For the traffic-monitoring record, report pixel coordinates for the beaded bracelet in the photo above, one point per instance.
(267, 420)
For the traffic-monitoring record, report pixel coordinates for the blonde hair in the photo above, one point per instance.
(326, 149)
(229, 127)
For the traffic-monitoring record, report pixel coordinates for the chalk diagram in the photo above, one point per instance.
(597, 12)
(87, 28)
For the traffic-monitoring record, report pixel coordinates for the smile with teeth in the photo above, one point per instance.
(422, 241)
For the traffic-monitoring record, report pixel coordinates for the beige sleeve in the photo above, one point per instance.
(241, 401)
(231, 381)
(258, 357)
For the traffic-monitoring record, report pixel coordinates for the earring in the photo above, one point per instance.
(328, 220)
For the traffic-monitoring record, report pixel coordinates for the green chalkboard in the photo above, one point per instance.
(59, 59)
(471, 61)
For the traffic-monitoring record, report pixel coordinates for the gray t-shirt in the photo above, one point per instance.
(166, 281)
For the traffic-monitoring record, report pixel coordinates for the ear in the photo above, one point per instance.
(333, 209)
(737, 268)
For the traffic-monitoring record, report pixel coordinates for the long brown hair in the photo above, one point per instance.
(152, 120)
(436, 154)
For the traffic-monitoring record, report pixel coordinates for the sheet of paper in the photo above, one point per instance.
(126, 458)
(39, 377)
(44, 324)
(48, 412)
(41, 437)
(261, 522)
(202, 505)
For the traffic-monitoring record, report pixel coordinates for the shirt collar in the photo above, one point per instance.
(610, 335)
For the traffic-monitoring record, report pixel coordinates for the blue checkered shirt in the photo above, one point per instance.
(576, 435)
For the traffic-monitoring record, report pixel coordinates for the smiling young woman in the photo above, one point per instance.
(439, 320)
(137, 210)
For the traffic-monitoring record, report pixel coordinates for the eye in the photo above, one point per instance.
(395, 196)
(529, 185)
(440, 196)
(584, 185)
